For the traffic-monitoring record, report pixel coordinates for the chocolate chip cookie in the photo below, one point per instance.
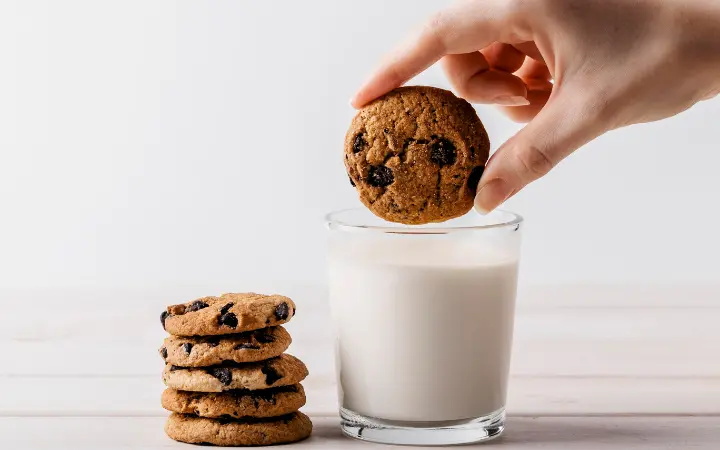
(229, 313)
(281, 371)
(236, 404)
(250, 346)
(201, 430)
(416, 155)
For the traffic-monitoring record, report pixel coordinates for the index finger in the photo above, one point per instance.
(464, 28)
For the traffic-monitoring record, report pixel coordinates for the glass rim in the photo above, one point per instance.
(334, 222)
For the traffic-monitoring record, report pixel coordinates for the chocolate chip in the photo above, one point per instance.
(223, 374)
(472, 152)
(163, 353)
(380, 176)
(474, 178)
(359, 143)
(442, 152)
(271, 375)
(247, 345)
(264, 338)
(351, 181)
(196, 305)
(228, 319)
(282, 311)
(267, 395)
(187, 347)
(164, 316)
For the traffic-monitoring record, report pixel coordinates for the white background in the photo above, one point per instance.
(153, 144)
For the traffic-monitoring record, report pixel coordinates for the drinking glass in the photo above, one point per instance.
(423, 319)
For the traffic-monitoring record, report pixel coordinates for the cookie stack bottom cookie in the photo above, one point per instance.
(276, 430)
(229, 381)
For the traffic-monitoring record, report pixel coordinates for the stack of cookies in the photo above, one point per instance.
(229, 382)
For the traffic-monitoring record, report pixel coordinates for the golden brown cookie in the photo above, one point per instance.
(416, 154)
(281, 371)
(236, 404)
(201, 430)
(229, 313)
(250, 346)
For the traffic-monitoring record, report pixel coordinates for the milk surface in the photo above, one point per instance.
(423, 331)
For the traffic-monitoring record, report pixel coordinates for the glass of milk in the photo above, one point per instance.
(423, 317)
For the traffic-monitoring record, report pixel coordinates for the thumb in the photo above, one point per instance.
(561, 127)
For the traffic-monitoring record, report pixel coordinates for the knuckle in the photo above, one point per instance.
(435, 29)
(437, 21)
(532, 163)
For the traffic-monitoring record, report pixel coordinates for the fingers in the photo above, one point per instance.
(412, 58)
(535, 74)
(473, 78)
(560, 128)
(462, 29)
(523, 114)
(530, 49)
(504, 57)
(536, 77)
(487, 77)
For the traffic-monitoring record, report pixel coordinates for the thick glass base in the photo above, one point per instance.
(422, 433)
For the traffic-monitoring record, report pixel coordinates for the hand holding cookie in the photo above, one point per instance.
(574, 70)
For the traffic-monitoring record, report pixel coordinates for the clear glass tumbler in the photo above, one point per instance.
(423, 317)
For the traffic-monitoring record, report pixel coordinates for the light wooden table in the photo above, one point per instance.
(593, 368)
(560, 433)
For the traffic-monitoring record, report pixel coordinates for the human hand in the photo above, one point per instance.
(574, 69)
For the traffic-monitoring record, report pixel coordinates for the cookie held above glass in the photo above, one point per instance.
(416, 155)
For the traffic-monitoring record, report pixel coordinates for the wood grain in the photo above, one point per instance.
(578, 350)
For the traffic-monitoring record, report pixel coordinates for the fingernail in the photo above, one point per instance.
(511, 100)
(491, 195)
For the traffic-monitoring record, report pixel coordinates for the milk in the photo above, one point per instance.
(423, 325)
